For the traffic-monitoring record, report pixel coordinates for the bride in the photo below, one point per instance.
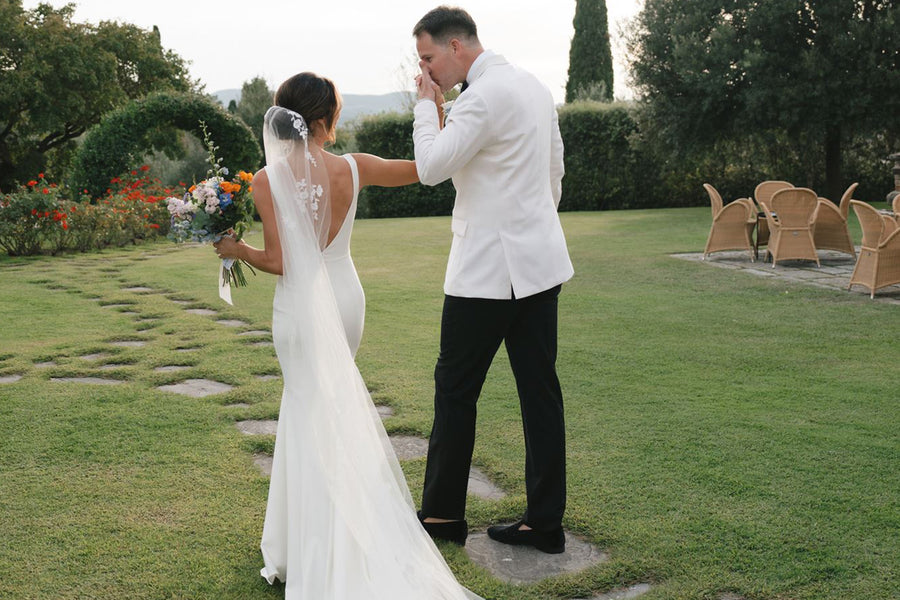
(339, 521)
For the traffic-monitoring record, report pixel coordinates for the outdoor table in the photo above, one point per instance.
(761, 237)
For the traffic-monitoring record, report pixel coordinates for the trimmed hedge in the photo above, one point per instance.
(603, 171)
(124, 135)
(614, 161)
(605, 167)
(389, 135)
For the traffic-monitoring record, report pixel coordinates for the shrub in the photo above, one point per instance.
(29, 216)
(390, 136)
(35, 218)
(606, 166)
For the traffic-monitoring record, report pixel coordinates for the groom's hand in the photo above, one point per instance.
(424, 84)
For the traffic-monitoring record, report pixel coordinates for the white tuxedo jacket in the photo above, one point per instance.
(502, 147)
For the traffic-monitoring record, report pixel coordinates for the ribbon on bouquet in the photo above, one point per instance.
(224, 284)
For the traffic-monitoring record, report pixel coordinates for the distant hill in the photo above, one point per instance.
(355, 105)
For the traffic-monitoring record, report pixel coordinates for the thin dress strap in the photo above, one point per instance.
(355, 171)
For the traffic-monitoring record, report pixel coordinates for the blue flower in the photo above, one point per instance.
(224, 200)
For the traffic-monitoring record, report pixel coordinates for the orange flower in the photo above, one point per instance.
(245, 176)
(192, 188)
(32, 183)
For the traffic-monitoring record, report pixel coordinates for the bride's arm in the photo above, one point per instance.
(269, 258)
(374, 170)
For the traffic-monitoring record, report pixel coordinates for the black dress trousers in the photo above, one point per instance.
(471, 332)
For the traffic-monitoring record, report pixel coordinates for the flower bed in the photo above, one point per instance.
(39, 217)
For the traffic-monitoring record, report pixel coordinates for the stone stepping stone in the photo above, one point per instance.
(385, 412)
(408, 447)
(111, 366)
(183, 302)
(197, 388)
(232, 323)
(45, 365)
(129, 343)
(524, 564)
(268, 377)
(95, 356)
(633, 591)
(10, 378)
(90, 380)
(130, 312)
(480, 485)
(205, 312)
(262, 344)
(255, 332)
(264, 462)
(238, 405)
(137, 289)
(171, 368)
(268, 427)
(629, 592)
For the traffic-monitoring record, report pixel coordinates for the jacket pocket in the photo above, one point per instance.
(459, 227)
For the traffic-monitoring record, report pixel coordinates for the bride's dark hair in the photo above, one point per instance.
(314, 98)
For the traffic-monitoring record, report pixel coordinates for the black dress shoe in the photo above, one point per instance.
(551, 542)
(454, 531)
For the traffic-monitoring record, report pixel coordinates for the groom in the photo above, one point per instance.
(502, 147)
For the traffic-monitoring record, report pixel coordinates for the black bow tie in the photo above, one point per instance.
(464, 86)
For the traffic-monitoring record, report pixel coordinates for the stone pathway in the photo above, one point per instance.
(833, 274)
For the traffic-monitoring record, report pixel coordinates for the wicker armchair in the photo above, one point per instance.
(878, 264)
(732, 224)
(790, 219)
(763, 193)
(830, 230)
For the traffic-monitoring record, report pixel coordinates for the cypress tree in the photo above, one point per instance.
(590, 57)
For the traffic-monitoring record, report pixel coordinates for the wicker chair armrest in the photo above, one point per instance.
(827, 208)
(891, 233)
(770, 219)
(737, 212)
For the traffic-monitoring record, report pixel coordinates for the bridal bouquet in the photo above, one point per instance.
(213, 208)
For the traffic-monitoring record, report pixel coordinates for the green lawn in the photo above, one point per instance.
(726, 433)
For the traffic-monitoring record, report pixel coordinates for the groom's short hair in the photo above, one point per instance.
(446, 22)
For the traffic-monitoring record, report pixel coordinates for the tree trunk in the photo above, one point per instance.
(834, 187)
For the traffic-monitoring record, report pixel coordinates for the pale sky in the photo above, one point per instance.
(360, 45)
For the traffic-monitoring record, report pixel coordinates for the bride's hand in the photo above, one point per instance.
(227, 247)
(439, 100)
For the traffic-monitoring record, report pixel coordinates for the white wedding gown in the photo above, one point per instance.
(340, 523)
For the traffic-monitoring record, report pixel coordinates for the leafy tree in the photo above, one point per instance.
(256, 99)
(590, 57)
(57, 78)
(823, 72)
